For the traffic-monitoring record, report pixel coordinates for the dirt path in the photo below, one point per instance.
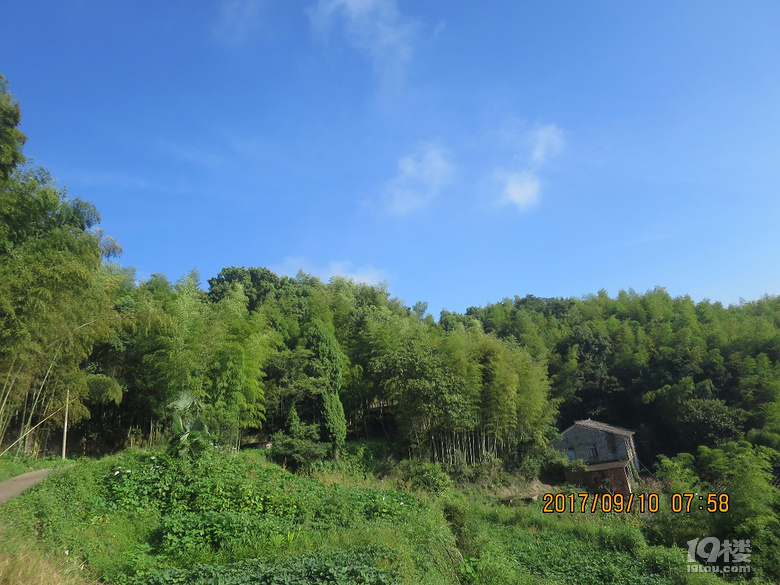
(16, 485)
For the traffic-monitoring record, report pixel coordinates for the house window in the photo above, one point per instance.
(572, 457)
(592, 452)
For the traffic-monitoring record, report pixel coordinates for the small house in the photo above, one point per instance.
(609, 454)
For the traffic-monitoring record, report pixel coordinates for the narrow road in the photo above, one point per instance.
(16, 485)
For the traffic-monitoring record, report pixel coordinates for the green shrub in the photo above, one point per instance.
(136, 517)
(231, 532)
(621, 538)
(664, 561)
(347, 466)
(299, 447)
(490, 470)
(429, 477)
(535, 458)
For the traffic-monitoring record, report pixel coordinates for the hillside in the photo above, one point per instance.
(144, 517)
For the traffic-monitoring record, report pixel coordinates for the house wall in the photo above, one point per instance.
(613, 481)
(609, 447)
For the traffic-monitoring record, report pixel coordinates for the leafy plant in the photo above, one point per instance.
(420, 475)
(190, 434)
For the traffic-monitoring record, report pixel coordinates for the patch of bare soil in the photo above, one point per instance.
(531, 491)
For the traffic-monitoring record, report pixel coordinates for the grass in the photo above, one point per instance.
(144, 517)
(523, 544)
(127, 518)
(23, 561)
(28, 566)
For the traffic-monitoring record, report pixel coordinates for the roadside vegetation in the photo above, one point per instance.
(156, 517)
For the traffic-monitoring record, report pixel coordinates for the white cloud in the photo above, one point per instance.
(521, 189)
(375, 28)
(548, 141)
(367, 273)
(238, 20)
(421, 176)
(533, 149)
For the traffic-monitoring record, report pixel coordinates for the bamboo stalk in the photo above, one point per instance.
(5, 417)
(37, 395)
(8, 385)
(36, 426)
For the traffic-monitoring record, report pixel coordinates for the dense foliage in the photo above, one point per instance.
(682, 374)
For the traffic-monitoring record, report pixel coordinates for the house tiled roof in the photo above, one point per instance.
(599, 426)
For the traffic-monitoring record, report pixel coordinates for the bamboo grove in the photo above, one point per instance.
(272, 357)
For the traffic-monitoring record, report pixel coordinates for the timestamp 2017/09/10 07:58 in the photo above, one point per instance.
(620, 503)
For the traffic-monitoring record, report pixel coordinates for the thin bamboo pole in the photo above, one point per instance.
(65, 423)
(11, 446)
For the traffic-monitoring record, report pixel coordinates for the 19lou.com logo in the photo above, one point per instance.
(729, 556)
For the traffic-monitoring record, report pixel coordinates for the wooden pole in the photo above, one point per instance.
(65, 424)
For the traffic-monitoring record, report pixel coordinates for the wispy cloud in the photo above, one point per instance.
(650, 238)
(438, 30)
(421, 176)
(80, 177)
(238, 20)
(521, 185)
(375, 28)
(521, 189)
(548, 141)
(193, 154)
(110, 179)
(367, 273)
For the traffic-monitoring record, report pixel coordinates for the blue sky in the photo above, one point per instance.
(462, 153)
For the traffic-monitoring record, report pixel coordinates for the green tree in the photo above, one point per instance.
(299, 446)
(258, 285)
(11, 138)
(334, 421)
(666, 528)
(55, 301)
(753, 503)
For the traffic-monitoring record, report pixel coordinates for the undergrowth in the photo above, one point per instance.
(130, 518)
(143, 517)
(510, 545)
